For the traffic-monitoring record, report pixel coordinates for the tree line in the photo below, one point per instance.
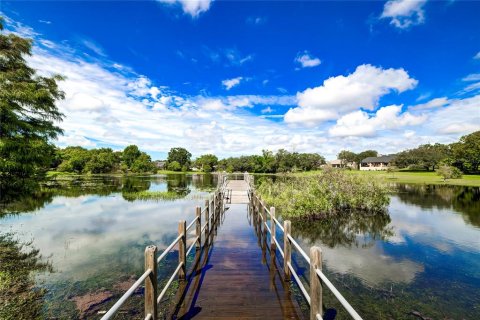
(103, 160)
(179, 159)
(463, 155)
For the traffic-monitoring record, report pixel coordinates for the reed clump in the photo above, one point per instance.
(152, 195)
(325, 195)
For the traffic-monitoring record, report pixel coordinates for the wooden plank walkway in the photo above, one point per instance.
(239, 191)
(237, 278)
(234, 274)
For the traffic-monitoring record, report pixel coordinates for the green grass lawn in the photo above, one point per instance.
(413, 177)
(180, 172)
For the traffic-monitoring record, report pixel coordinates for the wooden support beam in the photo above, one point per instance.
(198, 227)
(287, 247)
(182, 249)
(151, 282)
(272, 228)
(207, 220)
(315, 283)
(214, 206)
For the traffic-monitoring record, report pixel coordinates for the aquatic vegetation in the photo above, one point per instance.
(19, 298)
(153, 195)
(325, 195)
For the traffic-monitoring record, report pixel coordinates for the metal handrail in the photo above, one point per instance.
(278, 223)
(279, 248)
(191, 247)
(323, 278)
(299, 249)
(126, 295)
(142, 278)
(266, 226)
(191, 223)
(339, 296)
(167, 250)
(299, 283)
(160, 296)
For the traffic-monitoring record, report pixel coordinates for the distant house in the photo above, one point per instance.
(340, 164)
(376, 163)
(160, 164)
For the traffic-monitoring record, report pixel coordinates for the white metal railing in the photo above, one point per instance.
(317, 277)
(212, 211)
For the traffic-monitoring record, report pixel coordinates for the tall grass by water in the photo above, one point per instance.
(325, 195)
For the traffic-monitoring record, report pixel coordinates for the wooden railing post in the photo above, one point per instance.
(214, 205)
(182, 249)
(207, 219)
(287, 247)
(272, 228)
(151, 282)
(198, 229)
(315, 283)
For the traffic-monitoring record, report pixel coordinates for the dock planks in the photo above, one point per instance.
(240, 280)
(239, 191)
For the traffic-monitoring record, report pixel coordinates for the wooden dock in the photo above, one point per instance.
(240, 270)
(237, 191)
(239, 280)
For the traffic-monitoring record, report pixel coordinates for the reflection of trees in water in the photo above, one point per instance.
(345, 229)
(176, 182)
(19, 299)
(182, 182)
(43, 194)
(204, 182)
(464, 200)
(36, 198)
(135, 184)
(26, 202)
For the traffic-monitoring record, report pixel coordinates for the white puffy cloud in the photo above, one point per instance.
(359, 123)
(306, 60)
(191, 7)
(230, 83)
(341, 94)
(477, 56)
(404, 13)
(459, 117)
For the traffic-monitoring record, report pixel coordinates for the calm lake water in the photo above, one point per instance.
(422, 259)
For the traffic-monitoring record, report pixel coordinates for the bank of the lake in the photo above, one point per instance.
(414, 177)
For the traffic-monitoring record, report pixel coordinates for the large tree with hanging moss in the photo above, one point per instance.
(28, 114)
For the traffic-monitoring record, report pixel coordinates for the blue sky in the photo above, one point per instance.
(237, 77)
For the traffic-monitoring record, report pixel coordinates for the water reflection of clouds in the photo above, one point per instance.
(372, 265)
(436, 229)
(85, 230)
